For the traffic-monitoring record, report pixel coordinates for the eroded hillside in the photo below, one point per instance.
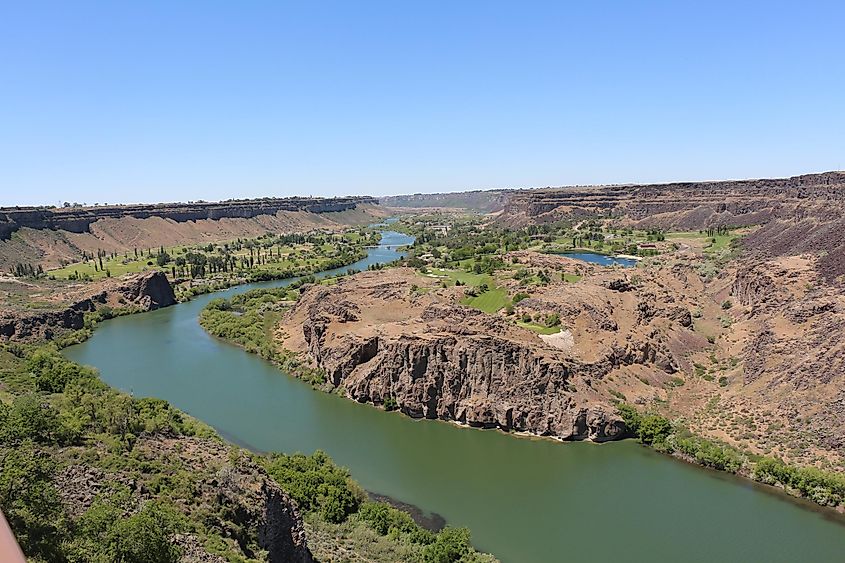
(750, 356)
(54, 237)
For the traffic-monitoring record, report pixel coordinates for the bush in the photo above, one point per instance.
(654, 429)
(317, 484)
(30, 501)
(822, 487)
(105, 533)
(450, 545)
(631, 418)
(52, 371)
(651, 429)
(519, 297)
(31, 418)
(710, 454)
(385, 519)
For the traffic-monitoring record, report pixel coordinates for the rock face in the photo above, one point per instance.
(145, 291)
(242, 500)
(682, 205)
(436, 359)
(150, 290)
(247, 491)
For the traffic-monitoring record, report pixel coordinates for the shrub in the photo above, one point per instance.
(519, 297)
(31, 418)
(450, 545)
(631, 418)
(30, 501)
(710, 454)
(105, 533)
(52, 371)
(385, 519)
(317, 484)
(654, 429)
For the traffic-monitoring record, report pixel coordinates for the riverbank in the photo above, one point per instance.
(452, 471)
(236, 321)
(167, 458)
(390, 531)
(438, 468)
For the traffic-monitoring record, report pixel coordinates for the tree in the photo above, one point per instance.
(162, 259)
(105, 533)
(451, 545)
(30, 501)
(654, 429)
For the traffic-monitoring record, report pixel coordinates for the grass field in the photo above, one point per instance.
(539, 329)
(467, 278)
(292, 256)
(490, 301)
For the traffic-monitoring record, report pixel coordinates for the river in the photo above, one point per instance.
(600, 259)
(525, 500)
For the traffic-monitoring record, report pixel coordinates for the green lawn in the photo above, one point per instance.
(490, 301)
(539, 329)
(720, 243)
(467, 278)
(116, 267)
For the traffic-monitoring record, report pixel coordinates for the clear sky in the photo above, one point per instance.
(181, 100)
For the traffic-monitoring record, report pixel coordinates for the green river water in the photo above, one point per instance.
(525, 500)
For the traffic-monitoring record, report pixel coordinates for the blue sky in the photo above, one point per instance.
(166, 101)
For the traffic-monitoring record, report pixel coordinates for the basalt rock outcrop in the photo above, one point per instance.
(241, 500)
(683, 205)
(436, 359)
(144, 292)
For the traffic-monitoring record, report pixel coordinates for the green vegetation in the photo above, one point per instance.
(229, 263)
(247, 320)
(489, 301)
(56, 415)
(822, 487)
(55, 410)
(539, 329)
(317, 485)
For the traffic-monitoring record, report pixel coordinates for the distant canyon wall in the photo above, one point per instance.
(79, 219)
(54, 237)
(684, 205)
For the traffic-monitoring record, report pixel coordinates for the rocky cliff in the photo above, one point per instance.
(683, 205)
(238, 497)
(477, 200)
(145, 292)
(383, 342)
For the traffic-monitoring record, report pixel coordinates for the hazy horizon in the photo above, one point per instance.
(455, 191)
(162, 102)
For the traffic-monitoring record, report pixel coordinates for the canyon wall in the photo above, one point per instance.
(56, 237)
(79, 219)
(381, 340)
(684, 205)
